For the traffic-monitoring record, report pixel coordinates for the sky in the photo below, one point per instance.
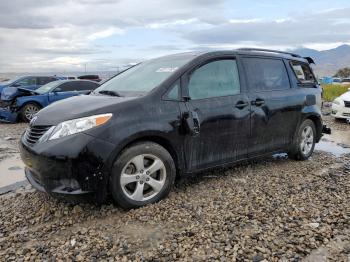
(69, 35)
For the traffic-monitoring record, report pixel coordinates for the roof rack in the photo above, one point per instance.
(269, 51)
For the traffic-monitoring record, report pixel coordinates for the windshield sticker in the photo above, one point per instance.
(166, 69)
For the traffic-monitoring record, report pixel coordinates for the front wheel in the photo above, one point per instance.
(28, 111)
(143, 174)
(304, 143)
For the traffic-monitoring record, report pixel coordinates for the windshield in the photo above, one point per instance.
(143, 77)
(10, 81)
(48, 87)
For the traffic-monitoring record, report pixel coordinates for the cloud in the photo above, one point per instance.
(323, 27)
(42, 30)
(105, 33)
(47, 35)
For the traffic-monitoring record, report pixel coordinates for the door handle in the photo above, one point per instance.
(258, 102)
(241, 104)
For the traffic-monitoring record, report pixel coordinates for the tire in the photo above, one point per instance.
(28, 111)
(304, 142)
(143, 174)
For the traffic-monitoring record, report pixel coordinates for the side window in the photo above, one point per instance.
(80, 86)
(174, 92)
(215, 79)
(86, 86)
(28, 81)
(303, 72)
(44, 80)
(266, 74)
(66, 87)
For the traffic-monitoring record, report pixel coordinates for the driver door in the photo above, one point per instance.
(217, 114)
(63, 91)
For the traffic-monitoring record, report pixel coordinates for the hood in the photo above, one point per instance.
(9, 93)
(2, 87)
(25, 90)
(77, 107)
(346, 96)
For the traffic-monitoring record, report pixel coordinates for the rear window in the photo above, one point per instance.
(303, 73)
(266, 74)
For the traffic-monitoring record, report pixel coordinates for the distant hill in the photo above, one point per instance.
(327, 61)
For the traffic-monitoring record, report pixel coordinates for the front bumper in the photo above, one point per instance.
(70, 165)
(340, 111)
(7, 116)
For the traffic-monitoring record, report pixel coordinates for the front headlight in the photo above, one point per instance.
(74, 126)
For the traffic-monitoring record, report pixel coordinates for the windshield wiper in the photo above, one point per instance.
(109, 93)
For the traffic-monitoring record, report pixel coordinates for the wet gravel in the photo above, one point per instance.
(273, 209)
(9, 136)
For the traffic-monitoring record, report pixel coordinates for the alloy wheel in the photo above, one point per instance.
(30, 111)
(307, 140)
(143, 177)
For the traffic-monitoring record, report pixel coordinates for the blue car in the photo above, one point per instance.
(29, 102)
(28, 82)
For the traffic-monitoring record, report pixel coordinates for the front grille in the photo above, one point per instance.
(347, 103)
(346, 114)
(34, 133)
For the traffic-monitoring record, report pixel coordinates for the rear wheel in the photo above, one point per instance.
(304, 143)
(28, 111)
(143, 174)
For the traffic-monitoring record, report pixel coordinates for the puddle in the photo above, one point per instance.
(338, 143)
(11, 171)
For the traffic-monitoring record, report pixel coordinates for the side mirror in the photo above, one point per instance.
(15, 85)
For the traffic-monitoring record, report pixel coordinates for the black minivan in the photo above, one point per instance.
(171, 116)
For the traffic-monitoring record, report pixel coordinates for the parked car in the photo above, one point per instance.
(172, 116)
(345, 81)
(341, 106)
(336, 81)
(30, 102)
(66, 77)
(29, 82)
(95, 78)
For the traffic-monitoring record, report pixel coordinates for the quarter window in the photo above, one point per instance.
(303, 73)
(174, 92)
(215, 79)
(266, 74)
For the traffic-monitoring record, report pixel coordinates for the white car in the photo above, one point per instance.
(341, 106)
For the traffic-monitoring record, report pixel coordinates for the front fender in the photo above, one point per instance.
(22, 101)
(156, 136)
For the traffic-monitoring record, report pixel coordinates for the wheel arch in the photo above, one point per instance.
(155, 138)
(317, 120)
(30, 102)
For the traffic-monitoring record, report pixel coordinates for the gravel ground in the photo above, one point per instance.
(273, 209)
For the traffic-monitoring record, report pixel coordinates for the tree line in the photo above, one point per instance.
(343, 73)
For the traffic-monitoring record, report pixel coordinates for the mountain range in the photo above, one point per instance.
(327, 61)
